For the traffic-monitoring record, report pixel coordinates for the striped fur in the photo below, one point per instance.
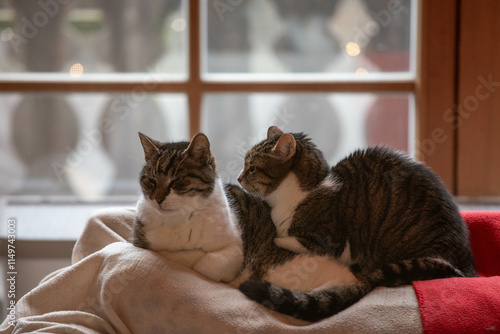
(263, 259)
(257, 233)
(391, 213)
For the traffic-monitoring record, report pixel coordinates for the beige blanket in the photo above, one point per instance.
(114, 287)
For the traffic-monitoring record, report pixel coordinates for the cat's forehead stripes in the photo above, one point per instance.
(169, 156)
(262, 149)
(167, 161)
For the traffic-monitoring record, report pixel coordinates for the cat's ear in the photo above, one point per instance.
(151, 147)
(285, 147)
(274, 131)
(199, 148)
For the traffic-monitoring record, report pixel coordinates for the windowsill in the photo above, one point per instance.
(64, 218)
(55, 219)
(158, 77)
(478, 204)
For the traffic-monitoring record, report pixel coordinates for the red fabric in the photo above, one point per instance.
(484, 229)
(467, 305)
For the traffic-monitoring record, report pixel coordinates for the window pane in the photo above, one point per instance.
(337, 123)
(339, 37)
(83, 144)
(80, 36)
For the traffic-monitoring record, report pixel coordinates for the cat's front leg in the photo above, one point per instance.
(292, 244)
(301, 244)
(222, 265)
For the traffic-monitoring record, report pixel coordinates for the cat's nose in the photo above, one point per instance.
(159, 198)
(160, 195)
(240, 178)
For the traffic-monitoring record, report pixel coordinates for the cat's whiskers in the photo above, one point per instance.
(134, 158)
(240, 148)
(153, 207)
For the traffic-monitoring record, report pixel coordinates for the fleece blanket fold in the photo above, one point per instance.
(114, 287)
(467, 305)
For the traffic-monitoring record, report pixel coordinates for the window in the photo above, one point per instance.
(59, 138)
(85, 39)
(80, 78)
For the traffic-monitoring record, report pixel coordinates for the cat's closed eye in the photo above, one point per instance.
(177, 183)
(149, 182)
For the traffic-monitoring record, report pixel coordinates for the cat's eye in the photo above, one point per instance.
(251, 169)
(150, 182)
(176, 182)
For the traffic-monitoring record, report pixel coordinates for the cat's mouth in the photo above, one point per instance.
(163, 209)
(167, 209)
(247, 186)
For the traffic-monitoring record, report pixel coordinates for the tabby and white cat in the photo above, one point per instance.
(386, 215)
(183, 212)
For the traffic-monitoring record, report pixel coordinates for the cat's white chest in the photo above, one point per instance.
(203, 231)
(167, 239)
(284, 200)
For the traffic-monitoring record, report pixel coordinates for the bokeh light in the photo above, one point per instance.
(178, 24)
(352, 49)
(76, 70)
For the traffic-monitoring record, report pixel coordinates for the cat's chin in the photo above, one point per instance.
(251, 189)
(160, 208)
(168, 211)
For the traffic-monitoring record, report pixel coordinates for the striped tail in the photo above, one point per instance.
(312, 306)
(320, 304)
(407, 271)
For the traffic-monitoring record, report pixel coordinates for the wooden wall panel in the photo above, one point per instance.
(435, 88)
(478, 110)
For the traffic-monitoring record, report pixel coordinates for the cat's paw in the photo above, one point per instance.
(185, 257)
(218, 267)
(292, 244)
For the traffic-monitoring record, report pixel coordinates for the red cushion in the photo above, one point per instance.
(467, 305)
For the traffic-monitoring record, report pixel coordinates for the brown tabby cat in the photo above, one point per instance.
(386, 215)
